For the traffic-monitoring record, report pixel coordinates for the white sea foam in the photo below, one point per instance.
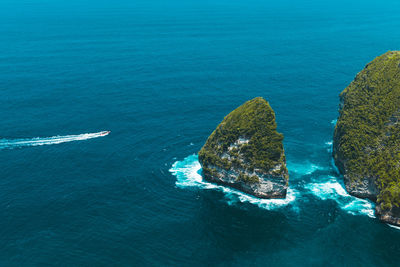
(394, 226)
(334, 122)
(326, 190)
(187, 173)
(37, 141)
(332, 189)
(303, 168)
(329, 145)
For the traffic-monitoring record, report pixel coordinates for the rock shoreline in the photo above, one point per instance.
(268, 187)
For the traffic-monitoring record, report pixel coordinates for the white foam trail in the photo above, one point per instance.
(37, 141)
(394, 226)
(187, 173)
(332, 189)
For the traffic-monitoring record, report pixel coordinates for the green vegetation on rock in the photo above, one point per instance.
(246, 140)
(367, 133)
(248, 179)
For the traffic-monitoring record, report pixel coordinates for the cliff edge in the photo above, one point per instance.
(246, 152)
(366, 143)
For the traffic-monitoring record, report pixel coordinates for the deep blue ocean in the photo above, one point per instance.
(161, 75)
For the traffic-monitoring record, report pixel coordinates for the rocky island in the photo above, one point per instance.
(246, 152)
(366, 145)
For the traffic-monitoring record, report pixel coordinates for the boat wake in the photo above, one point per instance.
(38, 141)
(394, 226)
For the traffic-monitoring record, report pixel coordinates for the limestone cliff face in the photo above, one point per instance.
(366, 143)
(246, 152)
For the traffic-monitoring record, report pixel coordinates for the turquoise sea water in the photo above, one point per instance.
(161, 75)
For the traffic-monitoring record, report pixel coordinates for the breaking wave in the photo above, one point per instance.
(188, 174)
(37, 141)
(333, 189)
